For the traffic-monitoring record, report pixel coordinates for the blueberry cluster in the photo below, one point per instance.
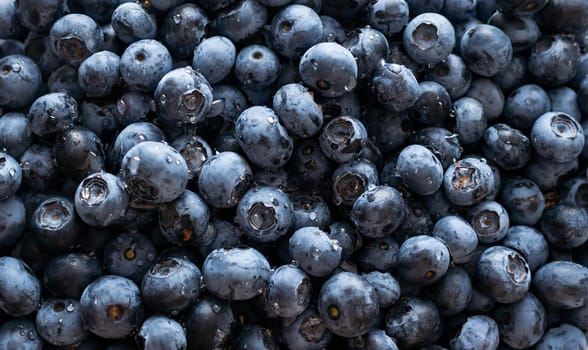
(293, 174)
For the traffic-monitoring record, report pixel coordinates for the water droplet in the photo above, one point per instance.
(169, 160)
(312, 216)
(315, 253)
(162, 99)
(60, 320)
(271, 120)
(70, 307)
(215, 308)
(16, 67)
(12, 172)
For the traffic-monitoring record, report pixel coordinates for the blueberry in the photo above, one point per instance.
(13, 216)
(10, 26)
(313, 250)
(132, 22)
(523, 200)
(11, 176)
(521, 324)
(420, 170)
(171, 285)
(459, 236)
(183, 28)
(453, 292)
(459, 10)
(453, 74)
(20, 289)
(468, 181)
(564, 226)
(561, 284)
(395, 86)
(523, 31)
(235, 273)
(377, 254)
(288, 292)
(263, 138)
(195, 151)
(129, 255)
(339, 298)
(444, 144)
(308, 164)
(554, 60)
(52, 112)
(413, 322)
(20, 81)
(566, 335)
(154, 172)
(209, 323)
(343, 138)
(99, 73)
(524, 105)
(99, 10)
(378, 211)
(389, 129)
(429, 38)
(294, 29)
(573, 11)
(333, 31)
(228, 21)
(433, 105)
(55, 224)
(79, 152)
(374, 339)
(185, 220)
(297, 110)
(369, 46)
(508, 147)
(423, 260)
(214, 57)
(486, 49)
(74, 37)
(159, 331)
(101, 199)
(557, 136)
(503, 274)
(306, 331)
(351, 179)
(143, 63)
(478, 332)
(68, 275)
(470, 120)
(490, 221)
(310, 210)
(388, 16)
(316, 69)
(565, 99)
(59, 322)
(386, 286)
(21, 333)
(111, 307)
(128, 137)
(256, 337)
(39, 16)
(548, 174)
(182, 96)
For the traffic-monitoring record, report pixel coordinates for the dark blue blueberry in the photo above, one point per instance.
(378, 211)
(55, 224)
(478, 332)
(182, 96)
(235, 273)
(429, 38)
(128, 137)
(39, 16)
(557, 136)
(351, 179)
(565, 99)
(386, 286)
(459, 236)
(369, 46)
(573, 192)
(39, 169)
(346, 105)
(372, 340)
(530, 242)
(390, 129)
(111, 307)
(79, 152)
(490, 96)
(99, 73)
(342, 139)
(20, 289)
(59, 322)
(561, 284)
(232, 100)
(339, 299)
(413, 322)
(161, 332)
(132, 22)
(74, 37)
(129, 255)
(195, 151)
(423, 260)
(52, 112)
(68, 275)
(548, 174)
(377, 254)
(171, 285)
(314, 251)
(297, 110)
(226, 235)
(523, 31)
(554, 59)
(503, 274)
(316, 69)
(459, 10)
(256, 67)
(20, 81)
(577, 317)
(209, 323)
(294, 29)
(11, 176)
(144, 63)
(444, 144)
(214, 57)
(486, 49)
(433, 105)
(101, 199)
(183, 28)
(309, 166)
(10, 26)
(20, 333)
(417, 220)
(574, 11)
(480, 302)
(452, 293)
(13, 218)
(310, 210)
(288, 292)
(65, 79)
(262, 137)
(395, 86)
(154, 172)
(565, 226)
(333, 31)
(523, 200)
(184, 220)
(468, 181)
(254, 336)
(11, 47)
(514, 75)
(346, 236)
(508, 147)
(229, 23)
(420, 170)
(490, 221)
(470, 120)
(100, 117)
(521, 324)
(388, 16)
(565, 336)
(453, 74)
(306, 331)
